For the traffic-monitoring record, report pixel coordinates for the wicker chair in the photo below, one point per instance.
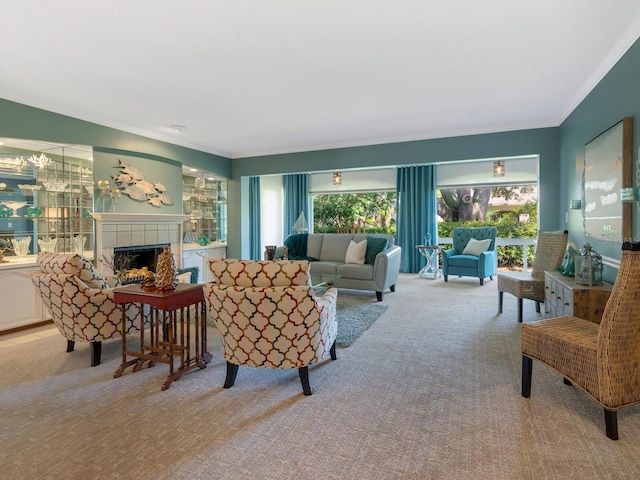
(269, 317)
(600, 359)
(550, 249)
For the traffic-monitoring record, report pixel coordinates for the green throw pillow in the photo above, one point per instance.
(374, 246)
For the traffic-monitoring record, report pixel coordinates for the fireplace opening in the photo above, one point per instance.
(145, 256)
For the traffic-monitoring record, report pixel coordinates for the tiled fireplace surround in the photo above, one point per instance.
(134, 230)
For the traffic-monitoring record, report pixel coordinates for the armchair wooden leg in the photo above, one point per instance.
(500, 298)
(482, 281)
(611, 423)
(446, 278)
(519, 310)
(96, 352)
(304, 378)
(527, 369)
(232, 371)
(393, 287)
(70, 345)
(379, 296)
(332, 351)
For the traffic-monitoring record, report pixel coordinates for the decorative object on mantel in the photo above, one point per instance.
(337, 178)
(498, 168)
(115, 195)
(166, 272)
(589, 266)
(132, 183)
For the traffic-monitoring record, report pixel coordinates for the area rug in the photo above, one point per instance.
(356, 313)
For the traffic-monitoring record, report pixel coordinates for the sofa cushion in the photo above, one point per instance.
(374, 246)
(334, 247)
(355, 252)
(355, 272)
(314, 244)
(324, 268)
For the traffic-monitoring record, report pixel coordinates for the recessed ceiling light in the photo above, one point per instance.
(178, 128)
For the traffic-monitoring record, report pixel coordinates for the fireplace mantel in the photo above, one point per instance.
(115, 229)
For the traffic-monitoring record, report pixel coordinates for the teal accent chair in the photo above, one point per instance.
(481, 266)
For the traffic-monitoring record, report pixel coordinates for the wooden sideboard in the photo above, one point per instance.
(563, 296)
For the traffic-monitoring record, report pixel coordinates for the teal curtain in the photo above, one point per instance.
(416, 214)
(255, 247)
(296, 200)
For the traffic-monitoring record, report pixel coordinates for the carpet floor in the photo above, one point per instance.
(430, 391)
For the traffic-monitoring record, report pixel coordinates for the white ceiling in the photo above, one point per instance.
(257, 77)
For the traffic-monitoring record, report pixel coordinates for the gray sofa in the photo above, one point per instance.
(331, 248)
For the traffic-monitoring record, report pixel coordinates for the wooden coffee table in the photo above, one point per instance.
(177, 327)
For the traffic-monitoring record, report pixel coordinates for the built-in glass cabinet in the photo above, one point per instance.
(204, 199)
(46, 198)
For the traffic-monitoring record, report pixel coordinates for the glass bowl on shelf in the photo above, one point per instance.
(55, 186)
(14, 206)
(28, 189)
(33, 212)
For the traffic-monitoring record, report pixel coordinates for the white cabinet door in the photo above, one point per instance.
(195, 258)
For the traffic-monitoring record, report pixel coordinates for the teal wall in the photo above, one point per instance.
(543, 142)
(22, 121)
(616, 96)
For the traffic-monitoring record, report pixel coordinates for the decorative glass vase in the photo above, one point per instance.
(48, 244)
(21, 246)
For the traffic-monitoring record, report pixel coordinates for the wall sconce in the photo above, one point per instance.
(575, 204)
(337, 178)
(498, 168)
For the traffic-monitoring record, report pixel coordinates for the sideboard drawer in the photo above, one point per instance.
(564, 297)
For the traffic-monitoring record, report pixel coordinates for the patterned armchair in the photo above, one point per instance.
(80, 301)
(268, 316)
(473, 254)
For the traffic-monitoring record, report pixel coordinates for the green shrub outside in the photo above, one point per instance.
(508, 256)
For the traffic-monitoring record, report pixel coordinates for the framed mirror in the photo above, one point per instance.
(607, 169)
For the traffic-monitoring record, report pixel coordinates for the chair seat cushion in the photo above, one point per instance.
(522, 285)
(566, 344)
(469, 261)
